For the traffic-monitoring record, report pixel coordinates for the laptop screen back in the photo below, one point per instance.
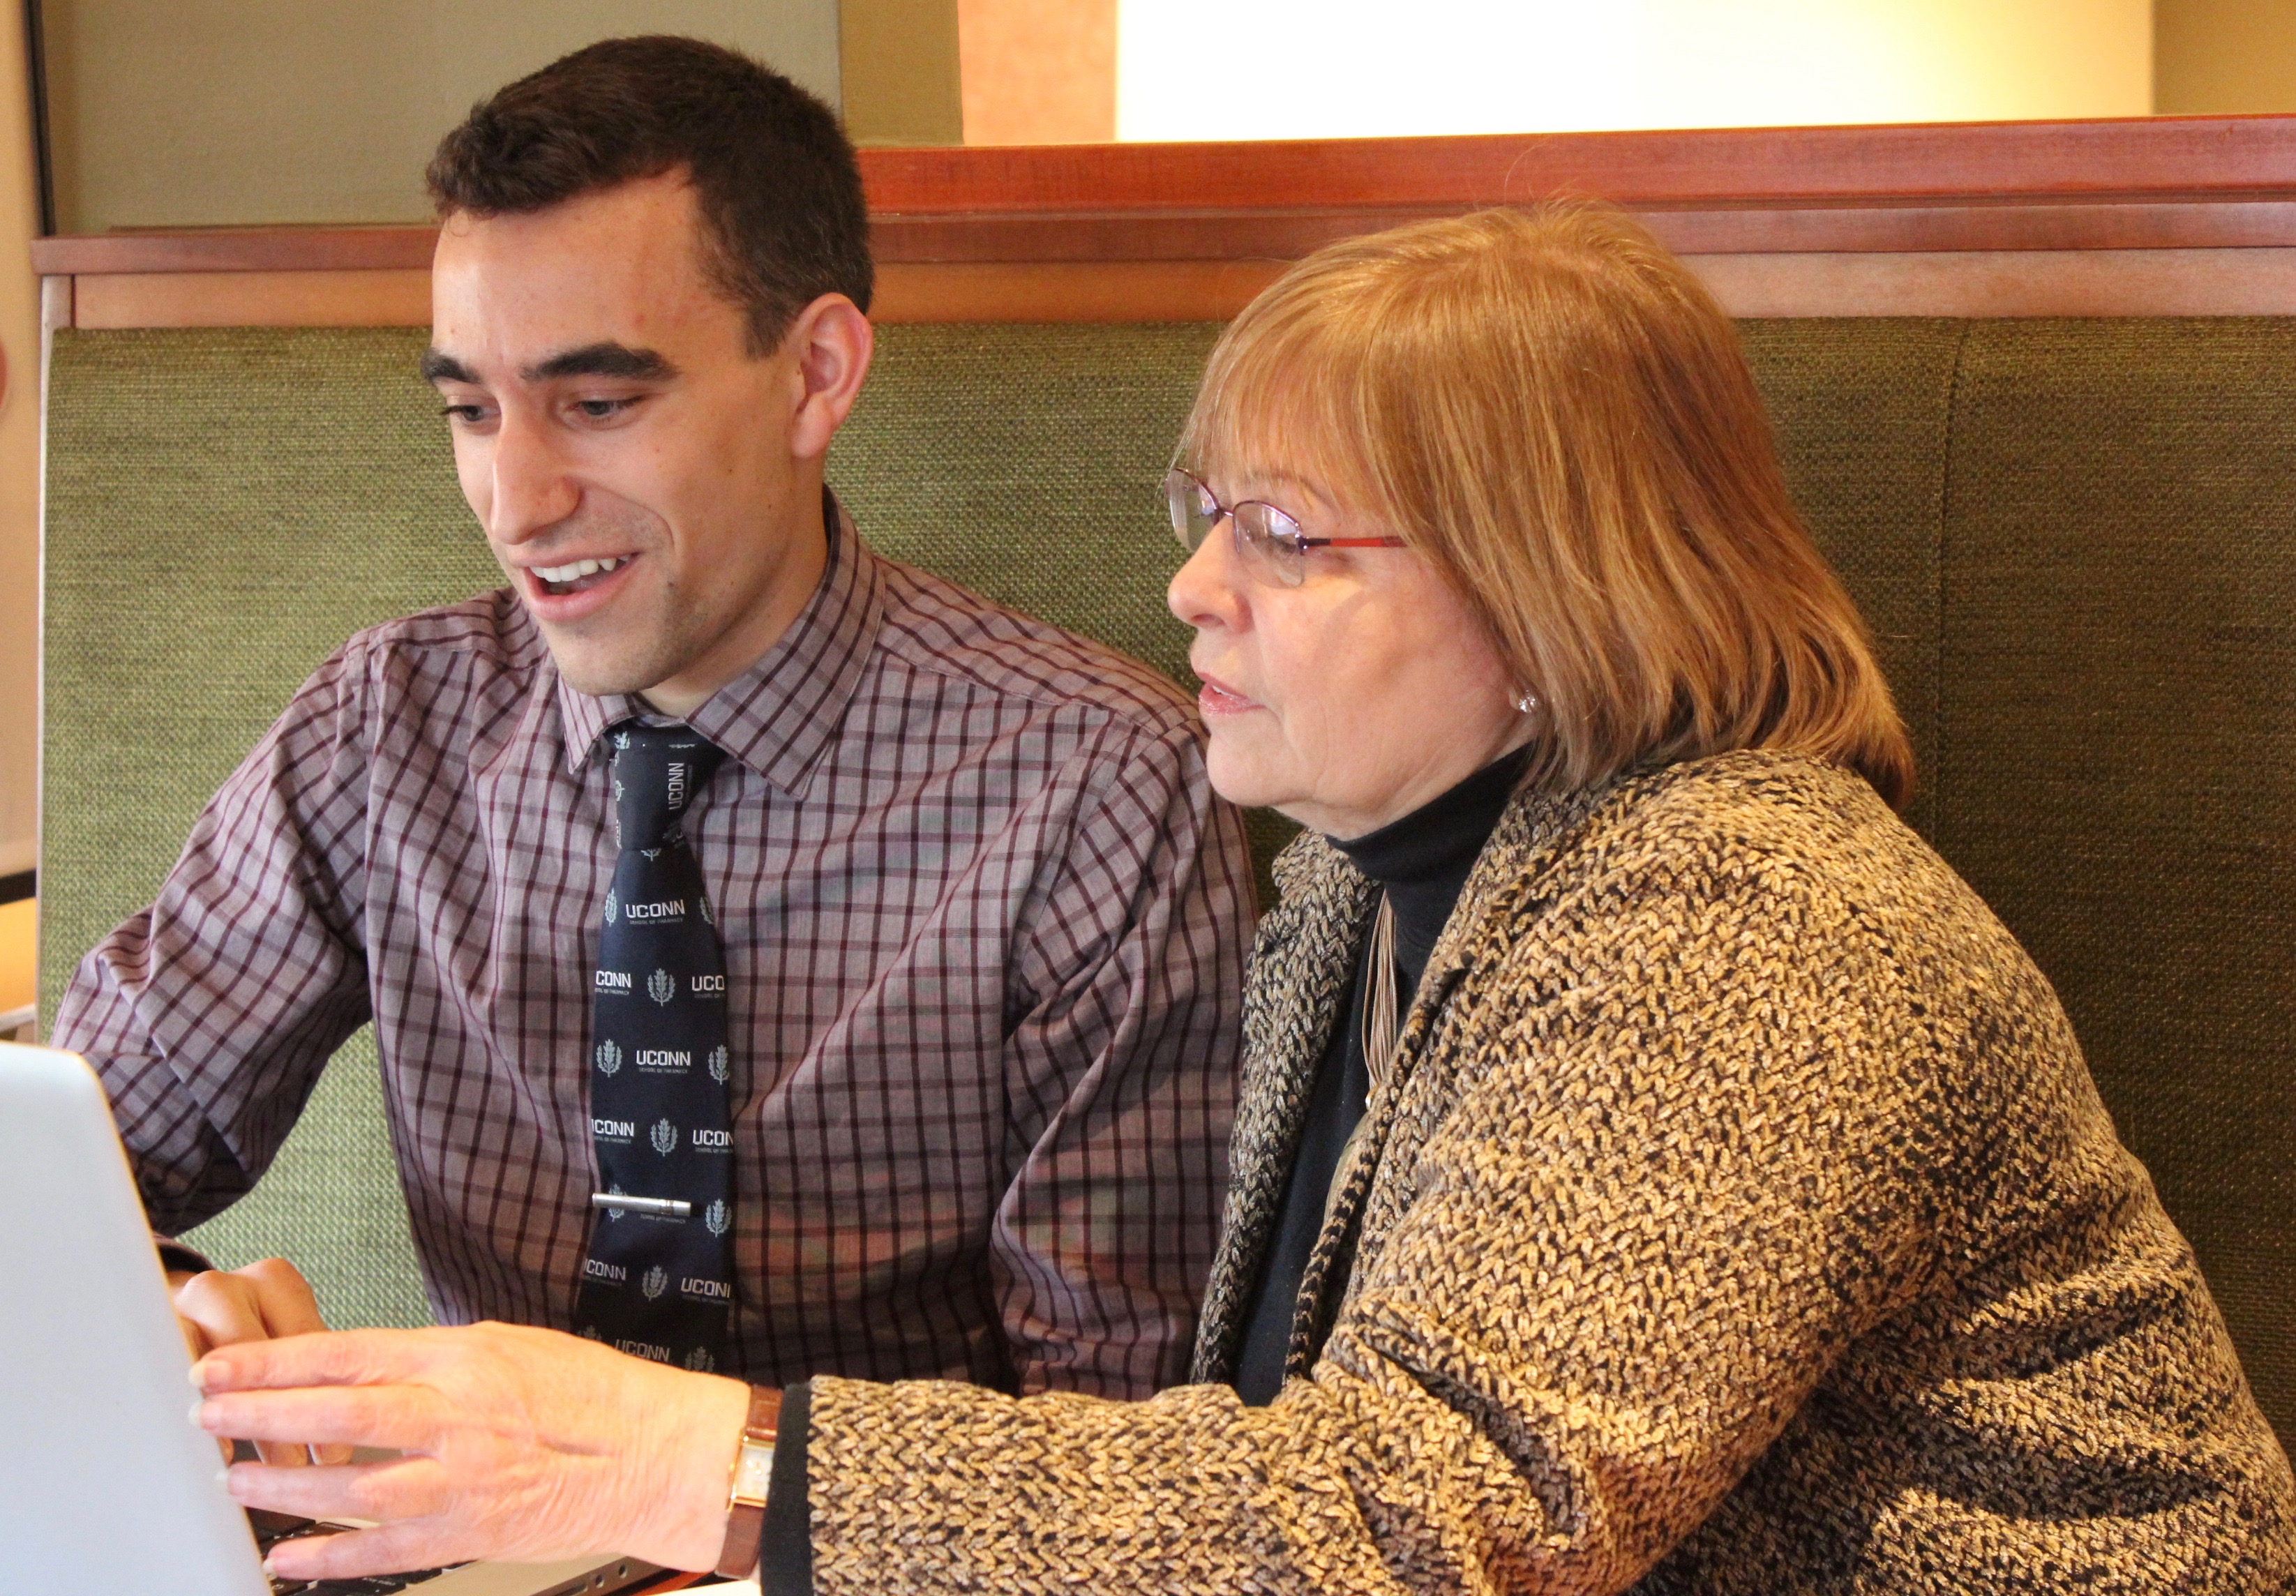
(103, 1483)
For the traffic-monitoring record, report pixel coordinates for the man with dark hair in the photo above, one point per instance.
(774, 181)
(781, 960)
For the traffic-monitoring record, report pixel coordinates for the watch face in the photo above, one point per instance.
(753, 1470)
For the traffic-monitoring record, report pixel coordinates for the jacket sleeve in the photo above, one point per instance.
(1655, 1198)
(1125, 1002)
(210, 1013)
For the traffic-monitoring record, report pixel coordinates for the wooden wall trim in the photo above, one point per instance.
(1982, 282)
(2005, 283)
(2157, 182)
(1288, 234)
(1734, 229)
(2156, 216)
(238, 249)
(340, 298)
(2154, 155)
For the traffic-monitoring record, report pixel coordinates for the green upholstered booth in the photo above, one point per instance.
(2074, 538)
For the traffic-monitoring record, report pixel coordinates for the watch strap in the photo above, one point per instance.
(745, 1495)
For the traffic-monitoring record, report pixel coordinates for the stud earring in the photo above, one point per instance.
(1526, 702)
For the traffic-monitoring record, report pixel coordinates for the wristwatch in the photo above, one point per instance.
(745, 1496)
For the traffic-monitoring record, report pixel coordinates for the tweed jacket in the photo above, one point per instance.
(1740, 1217)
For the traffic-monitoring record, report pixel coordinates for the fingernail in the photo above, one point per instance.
(223, 1477)
(198, 1406)
(270, 1569)
(197, 1375)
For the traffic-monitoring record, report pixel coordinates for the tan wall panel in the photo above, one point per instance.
(207, 112)
(2217, 57)
(900, 69)
(1120, 290)
(1109, 291)
(254, 300)
(19, 469)
(2006, 282)
(1996, 282)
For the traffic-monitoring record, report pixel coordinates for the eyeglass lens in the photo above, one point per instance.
(1268, 539)
(1194, 511)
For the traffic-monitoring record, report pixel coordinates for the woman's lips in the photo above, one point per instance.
(1218, 698)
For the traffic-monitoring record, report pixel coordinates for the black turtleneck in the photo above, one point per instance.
(1422, 860)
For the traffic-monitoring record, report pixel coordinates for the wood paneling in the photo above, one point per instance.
(2006, 282)
(2198, 155)
(2152, 184)
(2152, 216)
(1112, 291)
(1287, 234)
(239, 249)
(344, 299)
(1146, 291)
(950, 239)
(1992, 282)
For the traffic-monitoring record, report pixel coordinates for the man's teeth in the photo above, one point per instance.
(578, 570)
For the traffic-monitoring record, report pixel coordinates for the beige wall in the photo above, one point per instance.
(200, 112)
(1369, 67)
(899, 61)
(2219, 56)
(1038, 71)
(20, 467)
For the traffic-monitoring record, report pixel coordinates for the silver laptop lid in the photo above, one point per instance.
(104, 1484)
(104, 1473)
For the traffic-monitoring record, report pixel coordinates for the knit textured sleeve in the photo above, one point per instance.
(1635, 1199)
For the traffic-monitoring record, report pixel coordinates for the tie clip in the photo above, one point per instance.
(667, 1208)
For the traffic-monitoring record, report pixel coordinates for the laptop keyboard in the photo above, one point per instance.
(271, 1529)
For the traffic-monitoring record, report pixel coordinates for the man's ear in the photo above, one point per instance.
(832, 342)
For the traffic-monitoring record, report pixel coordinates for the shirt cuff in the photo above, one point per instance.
(176, 1259)
(785, 1544)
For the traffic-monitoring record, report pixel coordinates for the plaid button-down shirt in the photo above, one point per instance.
(984, 925)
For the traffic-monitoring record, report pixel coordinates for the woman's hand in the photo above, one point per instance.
(519, 1444)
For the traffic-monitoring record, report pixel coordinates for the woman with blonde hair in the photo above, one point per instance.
(1656, 1168)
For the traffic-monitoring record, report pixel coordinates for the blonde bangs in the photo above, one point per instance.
(1283, 391)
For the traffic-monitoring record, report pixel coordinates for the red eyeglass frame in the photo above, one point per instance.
(1296, 541)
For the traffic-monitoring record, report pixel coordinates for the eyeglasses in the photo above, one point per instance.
(1270, 543)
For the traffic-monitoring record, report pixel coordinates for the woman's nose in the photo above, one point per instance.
(1207, 590)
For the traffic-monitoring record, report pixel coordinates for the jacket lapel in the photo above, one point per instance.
(1300, 961)
(1491, 910)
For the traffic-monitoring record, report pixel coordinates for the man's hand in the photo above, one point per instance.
(521, 1444)
(259, 1303)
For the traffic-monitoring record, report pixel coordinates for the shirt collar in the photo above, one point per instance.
(778, 715)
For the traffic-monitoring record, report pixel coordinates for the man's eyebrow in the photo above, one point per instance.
(604, 360)
(440, 367)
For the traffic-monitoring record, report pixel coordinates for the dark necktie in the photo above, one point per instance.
(659, 1279)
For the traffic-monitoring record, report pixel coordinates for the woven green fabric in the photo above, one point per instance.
(1861, 408)
(2117, 776)
(287, 489)
(2071, 539)
(1026, 462)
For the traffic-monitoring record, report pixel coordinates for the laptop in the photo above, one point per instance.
(104, 1484)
